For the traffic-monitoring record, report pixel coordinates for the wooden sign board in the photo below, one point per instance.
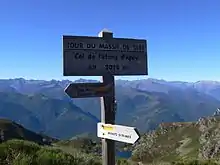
(96, 56)
(82, 90)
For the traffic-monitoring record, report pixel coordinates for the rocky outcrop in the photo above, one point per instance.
(217, 112)
(210, 137)
(203, 141)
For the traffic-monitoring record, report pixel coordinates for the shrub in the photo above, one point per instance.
(195, 162)
(18, 152)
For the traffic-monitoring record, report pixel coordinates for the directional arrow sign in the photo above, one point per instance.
(118, 133)
(81, 90)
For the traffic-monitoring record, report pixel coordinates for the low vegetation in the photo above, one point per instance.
(19, 152)
(183, 143)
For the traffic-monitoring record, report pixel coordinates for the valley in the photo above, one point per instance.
(175, 119)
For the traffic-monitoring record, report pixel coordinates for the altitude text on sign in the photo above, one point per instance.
(95, 56)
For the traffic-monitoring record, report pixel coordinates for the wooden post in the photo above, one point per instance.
(108, 113)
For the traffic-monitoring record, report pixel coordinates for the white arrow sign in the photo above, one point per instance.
(118, 133)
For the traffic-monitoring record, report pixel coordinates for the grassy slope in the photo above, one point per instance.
(180, 141)
(16, 152)
(19, 145)
(170, 142)
(11, 130)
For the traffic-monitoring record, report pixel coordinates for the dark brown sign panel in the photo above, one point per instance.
(96, 56)
(82, 90)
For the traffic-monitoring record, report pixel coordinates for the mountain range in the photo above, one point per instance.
(43, 107)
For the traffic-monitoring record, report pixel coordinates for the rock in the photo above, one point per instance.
(217, 112)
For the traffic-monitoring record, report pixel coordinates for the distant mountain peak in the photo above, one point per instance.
(208, 82)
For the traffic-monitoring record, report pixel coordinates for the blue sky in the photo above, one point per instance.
(183, 35)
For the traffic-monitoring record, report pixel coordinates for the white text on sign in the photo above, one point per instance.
(105, 46)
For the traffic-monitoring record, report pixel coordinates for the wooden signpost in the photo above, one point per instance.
(107, 57)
